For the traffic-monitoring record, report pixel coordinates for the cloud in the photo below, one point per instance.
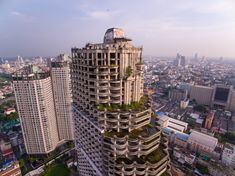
(207, 7)
(102, 14)
(16, 13)
(22, 16)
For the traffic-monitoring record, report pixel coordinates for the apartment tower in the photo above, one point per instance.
(115, 130)
(44, 103)
(61, 83)
(35, 104)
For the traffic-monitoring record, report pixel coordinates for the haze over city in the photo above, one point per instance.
(163, 27)
(117, 88)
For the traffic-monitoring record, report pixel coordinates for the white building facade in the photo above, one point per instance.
(35, 104)
(228, 156)
(61, 83)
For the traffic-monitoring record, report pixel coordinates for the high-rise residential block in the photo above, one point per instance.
(35, 104)
(116, 132)
(44, 103)
(61, 83)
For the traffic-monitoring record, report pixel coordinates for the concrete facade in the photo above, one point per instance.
(202, 94)
(107, 80)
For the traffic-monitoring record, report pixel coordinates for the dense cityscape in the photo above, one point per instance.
(117, 88)
(132, 114)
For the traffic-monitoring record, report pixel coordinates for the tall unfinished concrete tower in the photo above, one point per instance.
(116, 132)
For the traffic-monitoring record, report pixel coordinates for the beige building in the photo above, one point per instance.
(113, 134)
(177, 94)
(35, 104)
(202, 94)
(61, 83)
(221, 96)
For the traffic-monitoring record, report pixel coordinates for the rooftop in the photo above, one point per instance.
(203, 139)
(31, 72)
(115, 34)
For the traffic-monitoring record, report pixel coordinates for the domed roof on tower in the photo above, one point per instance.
(113, 35)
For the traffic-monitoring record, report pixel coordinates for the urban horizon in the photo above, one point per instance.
(185, 27)
(152, 96)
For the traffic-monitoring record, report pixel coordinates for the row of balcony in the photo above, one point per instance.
(145, 165)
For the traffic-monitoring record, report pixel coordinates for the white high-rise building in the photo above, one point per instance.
(35, 104)
(61, 82)
(43, 98)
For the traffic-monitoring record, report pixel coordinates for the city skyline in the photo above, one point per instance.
(31, 28)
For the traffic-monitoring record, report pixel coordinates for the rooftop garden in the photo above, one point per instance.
(133, 106)
(165, 174)
(153, 157)
(112, 133)
(144, 131)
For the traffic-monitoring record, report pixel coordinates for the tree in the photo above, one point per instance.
(128, 71)
(200, 108)
(13, 115)
(230, 137)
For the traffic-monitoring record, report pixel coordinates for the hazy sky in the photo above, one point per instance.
(162, 27)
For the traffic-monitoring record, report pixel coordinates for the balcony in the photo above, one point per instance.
(103, 99)
(111, 124)
(103, 93)
(115, 101)
(111, 119)
(116, 96)
(140, 118)
(103, 72)
(115, 88)
(124, 120)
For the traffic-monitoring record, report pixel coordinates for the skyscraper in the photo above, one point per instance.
(44, 103)
(34, 99)
(61, 83)
(116, 132)
(179, 61)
